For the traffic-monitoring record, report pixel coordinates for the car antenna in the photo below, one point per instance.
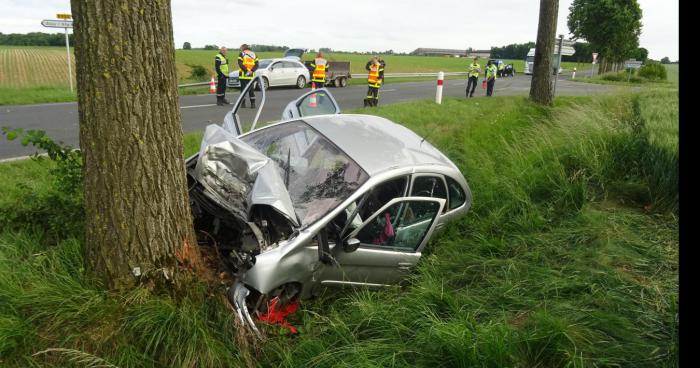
(423, 139)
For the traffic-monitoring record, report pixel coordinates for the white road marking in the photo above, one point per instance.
(189, 107)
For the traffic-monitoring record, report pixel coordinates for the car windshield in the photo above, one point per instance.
(263, 64)
(318, 175)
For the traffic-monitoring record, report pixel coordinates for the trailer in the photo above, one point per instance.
(337, 74)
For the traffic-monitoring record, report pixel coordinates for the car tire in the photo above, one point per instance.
(266, 84)
(343, 82)
(336, 82)
(301, 82)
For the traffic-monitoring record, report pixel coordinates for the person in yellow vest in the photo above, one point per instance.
(473, 71)
(501, 67)
(221, 67)
(490, 74)
(375, 76)
(318, 75)
(247, 65)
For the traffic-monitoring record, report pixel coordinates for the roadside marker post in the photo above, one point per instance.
(438, 92)
(595, 56)
(573, 75)
(65, 24)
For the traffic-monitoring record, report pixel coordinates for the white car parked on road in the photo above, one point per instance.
(286, 71)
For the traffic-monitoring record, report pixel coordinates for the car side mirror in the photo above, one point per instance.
(271, 68)
(351, 245)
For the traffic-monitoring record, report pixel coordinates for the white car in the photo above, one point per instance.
(286, 71)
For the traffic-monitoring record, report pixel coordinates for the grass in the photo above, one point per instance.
(30, 74)
(671, 82)
(569, 257)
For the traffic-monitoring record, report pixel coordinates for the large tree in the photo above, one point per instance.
(541, 84)
(612, 27)
(138, 221)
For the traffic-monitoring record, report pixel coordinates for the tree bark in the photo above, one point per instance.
(138, 219)
(541, 84)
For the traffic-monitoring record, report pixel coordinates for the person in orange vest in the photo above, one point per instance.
(318, 75)
(375, 77)
(247, 65)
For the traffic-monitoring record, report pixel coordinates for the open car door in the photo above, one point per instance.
(391, 242)
(232, 122)
(315, 102)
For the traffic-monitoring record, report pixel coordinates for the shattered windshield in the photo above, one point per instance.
(318, 175)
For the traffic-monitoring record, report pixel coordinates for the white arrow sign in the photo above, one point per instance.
(57, 23)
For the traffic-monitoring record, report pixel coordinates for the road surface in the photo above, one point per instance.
(60, 120)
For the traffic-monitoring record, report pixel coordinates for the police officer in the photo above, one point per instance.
(318, 75)
(501, 67)
(375, 76)
(221, 67)
(247, 65)
(473, 71)
(490, 74)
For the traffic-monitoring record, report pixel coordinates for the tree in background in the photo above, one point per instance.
(186, 46)
(611, 27)
(516, 51)
(665, 60)
(35, 39)
(211, 47)
(138, 221)
(541, 86)
(642, 54)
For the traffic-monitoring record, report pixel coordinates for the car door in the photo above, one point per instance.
(391, 242)
(431, 185)
(277, 74)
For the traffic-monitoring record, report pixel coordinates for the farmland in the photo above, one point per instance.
(38, 74)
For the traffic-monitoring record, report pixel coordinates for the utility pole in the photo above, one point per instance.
(558, 65)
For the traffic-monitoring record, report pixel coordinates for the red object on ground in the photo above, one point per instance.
(276, 316)
(483, 84)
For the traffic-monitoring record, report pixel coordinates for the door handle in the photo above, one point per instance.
(405, 266)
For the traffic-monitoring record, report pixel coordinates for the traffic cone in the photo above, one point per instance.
(312, 100)
(212, 86)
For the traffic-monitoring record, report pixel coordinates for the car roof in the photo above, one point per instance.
(377, 144)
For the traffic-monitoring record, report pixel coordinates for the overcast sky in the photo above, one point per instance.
(360, 25)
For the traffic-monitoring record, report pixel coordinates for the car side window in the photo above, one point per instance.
(429, 186)
(277, 66)
(382, 194)
(401, 226)
(457, 196)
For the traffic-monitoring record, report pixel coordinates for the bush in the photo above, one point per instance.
(652, 71)
(622, 77)
(198, 71)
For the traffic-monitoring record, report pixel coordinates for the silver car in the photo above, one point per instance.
(285, 71)
(318, 199)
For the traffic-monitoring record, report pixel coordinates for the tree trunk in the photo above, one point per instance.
(541, 85)
(138, 220)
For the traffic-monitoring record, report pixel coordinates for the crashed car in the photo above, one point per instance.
(318, 199)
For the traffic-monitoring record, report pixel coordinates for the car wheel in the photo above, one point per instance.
(266, 84)
(301, 82)
(343, 82)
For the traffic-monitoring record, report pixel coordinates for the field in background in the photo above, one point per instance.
(38, 74)
(568, 257)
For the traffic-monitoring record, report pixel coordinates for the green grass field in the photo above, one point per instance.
(38, 74)
(568, 257)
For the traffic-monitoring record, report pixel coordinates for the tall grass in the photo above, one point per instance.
(569, 257)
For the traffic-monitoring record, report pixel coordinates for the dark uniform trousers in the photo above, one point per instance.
(251, 94)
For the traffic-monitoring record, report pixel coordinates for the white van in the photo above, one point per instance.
(530, 61)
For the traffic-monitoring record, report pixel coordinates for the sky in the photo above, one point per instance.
(360, 25)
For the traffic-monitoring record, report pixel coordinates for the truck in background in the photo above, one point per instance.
(530, 61)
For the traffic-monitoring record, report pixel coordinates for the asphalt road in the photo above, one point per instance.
(60, 120)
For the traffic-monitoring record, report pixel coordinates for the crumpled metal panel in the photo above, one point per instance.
(239, 176)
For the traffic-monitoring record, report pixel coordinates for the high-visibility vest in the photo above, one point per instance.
(474, 70)
(224, 63)
(320, 66)
(248, 57)
(491, 71)
(373, 76)
(501, 66)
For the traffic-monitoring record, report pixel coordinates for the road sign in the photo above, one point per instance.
(63, 16)
(57, 23)
(634, 64)
(65, 24)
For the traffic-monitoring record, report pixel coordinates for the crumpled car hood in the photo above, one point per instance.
(238, 176)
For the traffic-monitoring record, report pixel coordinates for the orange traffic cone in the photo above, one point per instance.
(212, 86)
(312, 100)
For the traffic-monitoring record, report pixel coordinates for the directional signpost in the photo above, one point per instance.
(632, 64)
(65, 23)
